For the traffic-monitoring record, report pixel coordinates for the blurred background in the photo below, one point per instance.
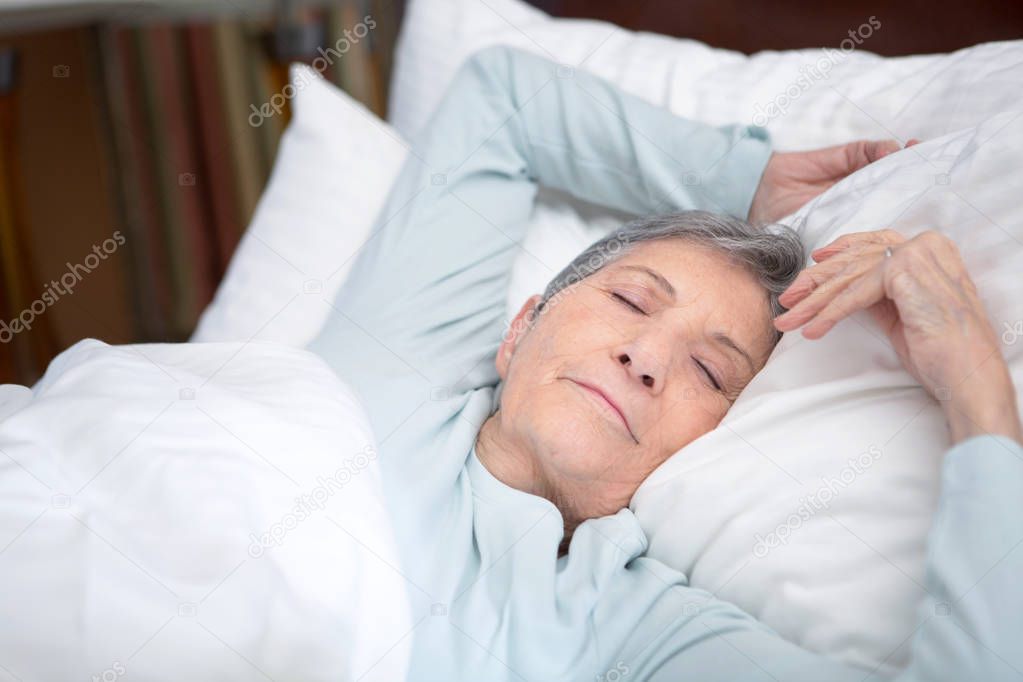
(133, 151)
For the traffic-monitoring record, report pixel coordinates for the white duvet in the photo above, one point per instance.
(193, 512)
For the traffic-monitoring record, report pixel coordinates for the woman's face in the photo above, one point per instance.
(629, 365)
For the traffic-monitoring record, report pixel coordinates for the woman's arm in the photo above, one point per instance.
(970, 624)
(919, 292)
(426, 293)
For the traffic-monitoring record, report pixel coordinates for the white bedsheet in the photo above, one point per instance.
(193, 512)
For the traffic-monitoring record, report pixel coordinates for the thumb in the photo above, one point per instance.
(875, 150)
(855, 155)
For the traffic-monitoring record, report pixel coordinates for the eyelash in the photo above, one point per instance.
(627, 303)
(715, 382)
(635, 308)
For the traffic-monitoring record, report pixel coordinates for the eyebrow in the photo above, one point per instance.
(725, 340)
(719, 337)
(664, 284)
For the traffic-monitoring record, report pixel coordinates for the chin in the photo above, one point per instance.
(570, 442)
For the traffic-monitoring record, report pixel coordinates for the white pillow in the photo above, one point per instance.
(334, 168)
(859, 94)
(828, 96)
(767, 510)
(849, 581)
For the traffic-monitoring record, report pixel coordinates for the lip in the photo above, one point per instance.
(601, 395)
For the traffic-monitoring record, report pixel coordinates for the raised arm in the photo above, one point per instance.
(430, 284)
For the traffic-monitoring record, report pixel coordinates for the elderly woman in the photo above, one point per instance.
(510, 452)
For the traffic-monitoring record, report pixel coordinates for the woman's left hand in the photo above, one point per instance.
(919, 292)
(791, 179)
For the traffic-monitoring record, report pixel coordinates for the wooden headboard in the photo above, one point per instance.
(905, 27)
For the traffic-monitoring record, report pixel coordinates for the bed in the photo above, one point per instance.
(159, 558)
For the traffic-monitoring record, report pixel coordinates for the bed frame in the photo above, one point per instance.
(906, 27)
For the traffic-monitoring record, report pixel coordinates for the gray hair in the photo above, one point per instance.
(772, 253)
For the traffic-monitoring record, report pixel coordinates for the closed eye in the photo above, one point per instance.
(627, 303)
(714, 381)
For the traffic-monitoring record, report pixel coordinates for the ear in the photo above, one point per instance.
(517, 330)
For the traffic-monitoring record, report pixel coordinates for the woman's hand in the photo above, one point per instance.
(924, 300)
(791, 179)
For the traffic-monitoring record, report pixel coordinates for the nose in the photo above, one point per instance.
(643, 364)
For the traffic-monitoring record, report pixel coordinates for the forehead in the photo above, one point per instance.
(686, 259)
(705, 280)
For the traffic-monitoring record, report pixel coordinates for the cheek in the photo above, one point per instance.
(563, 332)
(687, 418)
(533, 367)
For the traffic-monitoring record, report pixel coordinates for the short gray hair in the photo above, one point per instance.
(772, 253)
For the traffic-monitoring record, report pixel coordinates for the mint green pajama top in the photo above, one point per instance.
(415, 329)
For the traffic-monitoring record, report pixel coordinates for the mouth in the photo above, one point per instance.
(607, 403)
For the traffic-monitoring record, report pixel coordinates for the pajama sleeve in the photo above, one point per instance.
(427, 291)
(970, 625)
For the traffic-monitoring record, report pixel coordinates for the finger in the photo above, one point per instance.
(912, 141)
(940, 250)
(851, 238)
(809, 280)
(836, 245)
(827, 251)
(808, 308)
(853, 156)
(876, 150)
(886, 236)
(860, 294)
